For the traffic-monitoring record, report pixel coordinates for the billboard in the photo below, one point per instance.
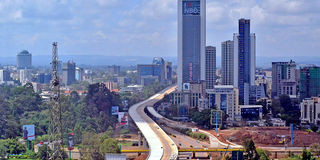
(28, 132)
(123, 118)
(191, 8)
(186, 86)
(114, 110)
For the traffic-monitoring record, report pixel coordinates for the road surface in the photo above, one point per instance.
(160, 144)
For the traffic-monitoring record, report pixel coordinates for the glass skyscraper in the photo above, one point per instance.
(309, 82)
(244, 60)
(191, 41)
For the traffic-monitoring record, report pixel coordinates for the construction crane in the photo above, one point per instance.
(55, 128)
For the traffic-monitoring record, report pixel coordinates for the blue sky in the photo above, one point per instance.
(149, 27)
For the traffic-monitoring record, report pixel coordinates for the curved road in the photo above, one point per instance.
(160, 144)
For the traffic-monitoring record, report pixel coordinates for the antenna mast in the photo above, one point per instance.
(55, 128)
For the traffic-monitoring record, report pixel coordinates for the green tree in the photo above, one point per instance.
(43, 152)
(202, 118)
(250, 150)
(306, 155)
(14, 147)
(3, 148)
(315, 148)
(264, 155)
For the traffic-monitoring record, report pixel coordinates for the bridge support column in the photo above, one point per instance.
(144, 142)
(139, 139)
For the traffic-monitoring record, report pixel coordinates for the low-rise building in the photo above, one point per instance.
(225, 98)
(310, 111)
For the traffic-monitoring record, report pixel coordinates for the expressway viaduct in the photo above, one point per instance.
(161, 146)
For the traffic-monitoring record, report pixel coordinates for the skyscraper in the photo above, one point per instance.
(191, 41)
(227, 62)
(283, 79)
(68, 73)
(244, 60)
(24, 60)
(210, 67)
(309, 82)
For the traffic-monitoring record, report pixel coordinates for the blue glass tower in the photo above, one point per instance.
(245, 52)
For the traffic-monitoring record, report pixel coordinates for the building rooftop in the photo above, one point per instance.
(24, 52)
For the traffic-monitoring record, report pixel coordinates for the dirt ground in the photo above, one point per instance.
(270, 136)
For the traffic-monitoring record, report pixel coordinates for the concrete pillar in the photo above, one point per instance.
(139, 139)
(144, 143)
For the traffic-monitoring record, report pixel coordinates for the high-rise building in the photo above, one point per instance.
(4, 75)
(283, 79)
(309, 82)
(210, 67)
(168, 72)
(25, 76)
(227, 62)
(158, 71)
(149, 73)
(158, 60)
(79, 73)
(24, 60)
(68, 73)
(244, 60)
(114, 69)
(43, 78)
(191, 41)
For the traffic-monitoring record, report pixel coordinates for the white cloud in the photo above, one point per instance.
(101, 35)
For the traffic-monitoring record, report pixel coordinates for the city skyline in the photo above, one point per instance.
(149, 28)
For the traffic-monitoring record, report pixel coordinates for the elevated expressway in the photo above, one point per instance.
(160, 144)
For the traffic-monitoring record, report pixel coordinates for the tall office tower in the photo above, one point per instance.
(24, 60)
(4, 75)
(244, 60)
(79, 73)
(283, 79)
(210, 67)
(309, 82)
(227, 62)
(68, 73)
(191, 41)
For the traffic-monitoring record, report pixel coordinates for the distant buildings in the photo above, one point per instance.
(309, 82)
(24, 60)
(114, 69)
(4, 75)
(43, 78)
(25, 76)
(310, 111)
(112, 86)
(68, 73)
(191, 41)
(79, 74)
(284, 79)
(160, 71)
(244, 60)
(210, 67)
(227, 61)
